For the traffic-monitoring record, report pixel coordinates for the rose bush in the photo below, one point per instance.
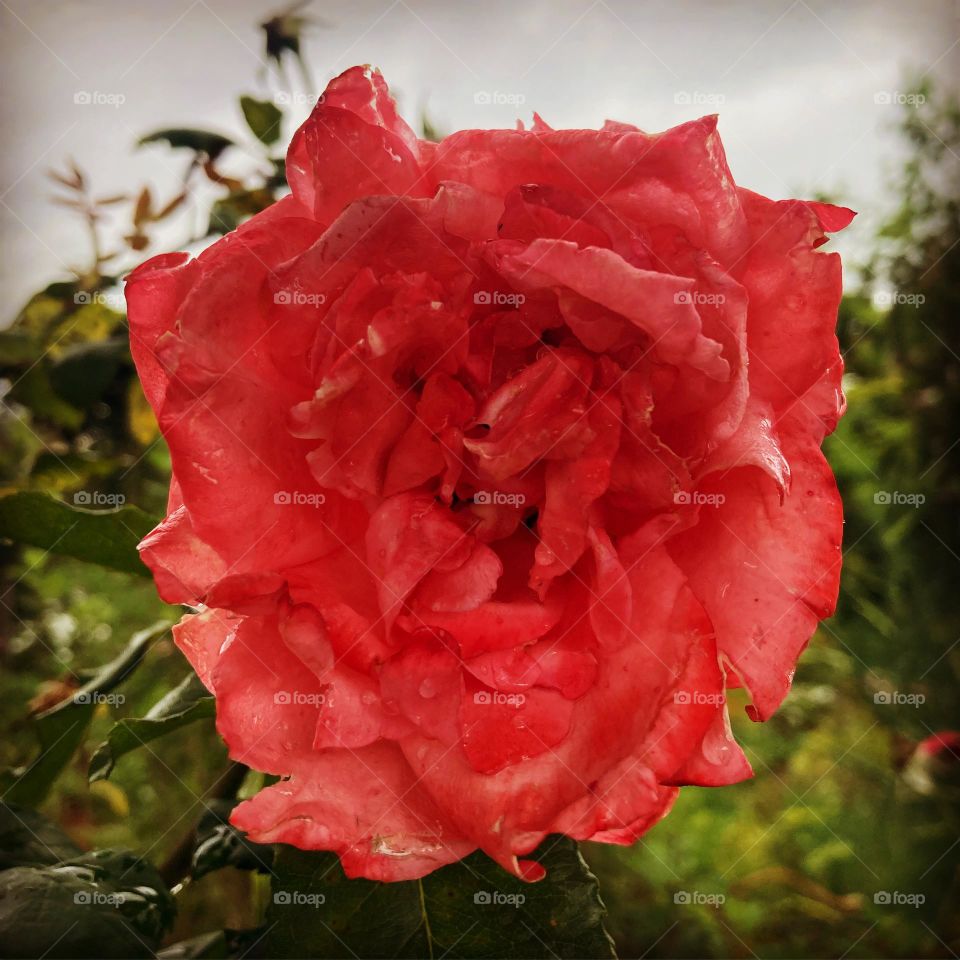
(496, 461)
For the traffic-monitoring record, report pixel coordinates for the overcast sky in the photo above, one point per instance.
(804, 89)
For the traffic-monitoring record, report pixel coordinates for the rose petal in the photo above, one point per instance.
(396, 833)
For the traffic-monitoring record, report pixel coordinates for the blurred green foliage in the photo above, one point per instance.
(846, 842)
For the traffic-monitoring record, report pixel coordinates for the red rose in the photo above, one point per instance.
(495, 462)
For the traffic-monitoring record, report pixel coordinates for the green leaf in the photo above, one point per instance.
(106, 537)
(28, 839)
(21, 446)
(34, 391)
(200, 141)
(101, 904)
(186, 703)
(90, 320)
(219, 844)
(263, 118)
(18, 347)
(82, 375)
(229, 212)
(468, 909)
(44, 309)
(62, 728)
